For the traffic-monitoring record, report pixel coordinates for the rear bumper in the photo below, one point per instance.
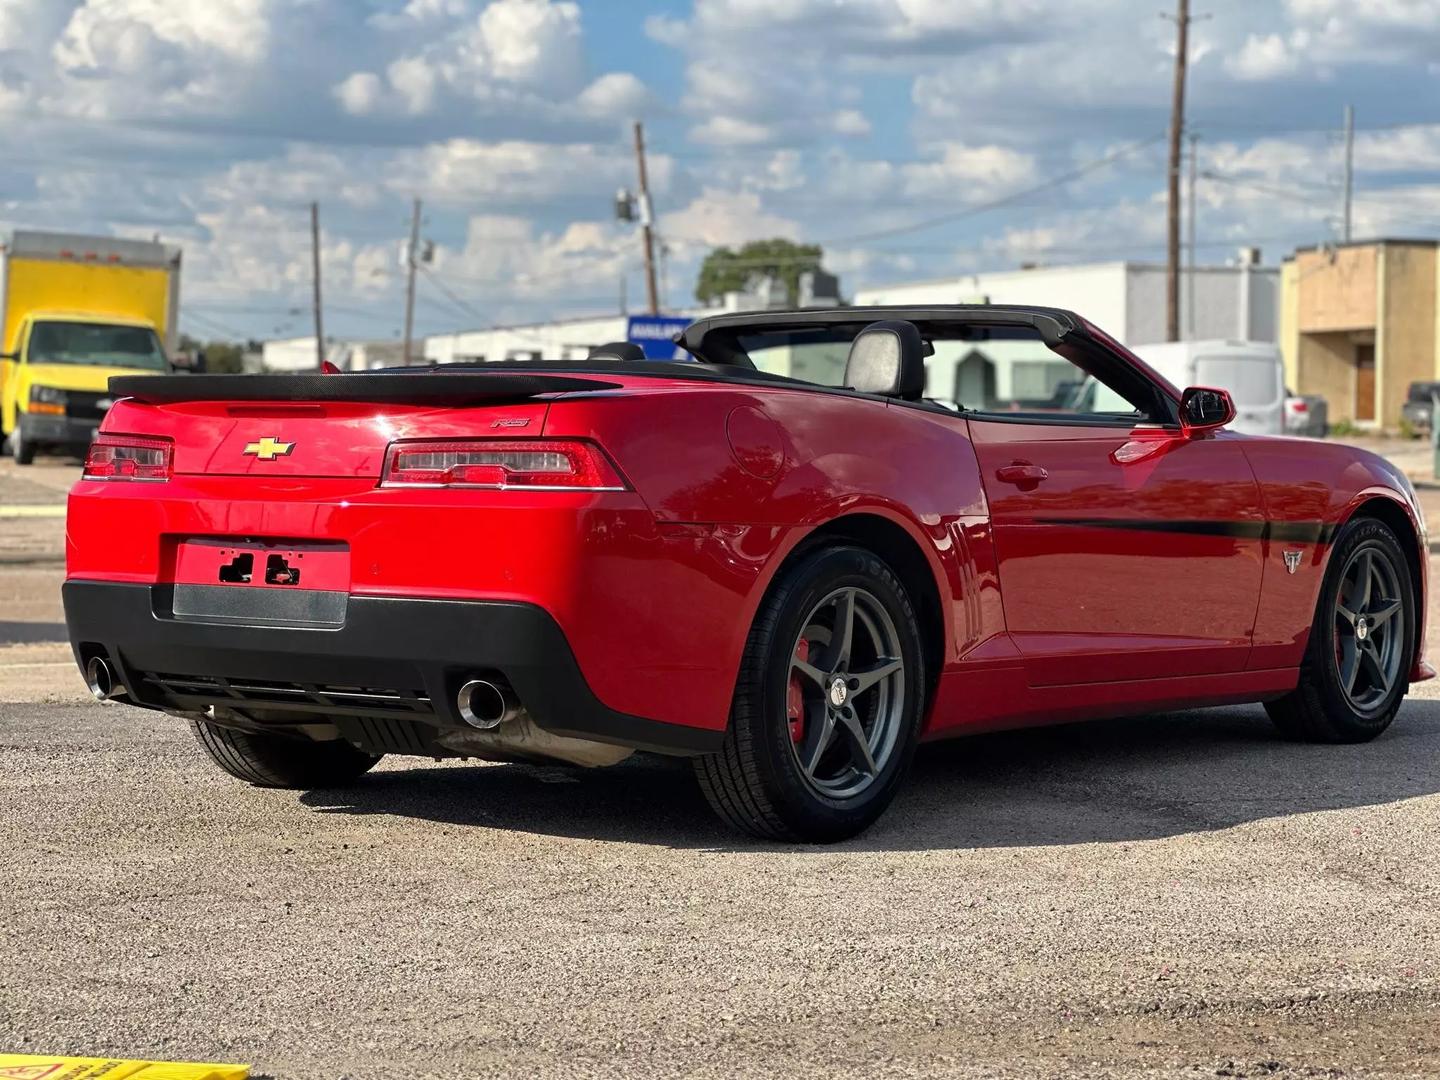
(396, 658)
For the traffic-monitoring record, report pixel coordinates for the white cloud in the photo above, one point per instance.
(531, 40)
(1413, 149)
(729, 131)
(850, 122)
(800, 58)
(723, 217)
(617, 94)
(1265, 57)
(506, 260)
(182, 56)
(361, 93)
(460, 172)
(969, 173)
(513, 58)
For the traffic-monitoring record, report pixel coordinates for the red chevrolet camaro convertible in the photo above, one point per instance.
(793, 579)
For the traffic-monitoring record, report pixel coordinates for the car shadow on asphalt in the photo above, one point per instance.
(1123, 780)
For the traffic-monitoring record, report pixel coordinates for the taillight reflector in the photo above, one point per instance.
(129, 457)
(536, 464)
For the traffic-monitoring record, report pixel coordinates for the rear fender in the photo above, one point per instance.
(763, 469)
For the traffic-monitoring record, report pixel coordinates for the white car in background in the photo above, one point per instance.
(1306, 414)
(1253, 372)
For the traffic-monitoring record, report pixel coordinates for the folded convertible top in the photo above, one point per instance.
(421, 387)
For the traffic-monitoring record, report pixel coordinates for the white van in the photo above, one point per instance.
(1252, 371)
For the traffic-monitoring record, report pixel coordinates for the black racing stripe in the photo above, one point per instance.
(1301, 532)
(1298, 532)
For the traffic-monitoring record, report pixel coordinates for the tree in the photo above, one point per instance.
(727, 270)
(221, 357)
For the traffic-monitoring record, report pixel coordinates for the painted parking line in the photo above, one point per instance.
(47, 511)
(32, 633)
(40, 1067)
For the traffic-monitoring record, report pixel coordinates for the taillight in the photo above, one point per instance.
(129, 457)
(536, 464)
(1300, 406)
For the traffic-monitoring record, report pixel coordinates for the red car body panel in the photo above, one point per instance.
(1143, 572)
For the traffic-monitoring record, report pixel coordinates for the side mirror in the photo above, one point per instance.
(1203, 408)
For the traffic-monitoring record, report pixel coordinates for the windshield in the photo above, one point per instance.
(1421, 391)
(96, 345)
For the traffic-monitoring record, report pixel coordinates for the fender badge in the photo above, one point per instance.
(1292, 560)
(268, 449)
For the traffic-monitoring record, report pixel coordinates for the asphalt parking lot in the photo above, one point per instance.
(1166, 896)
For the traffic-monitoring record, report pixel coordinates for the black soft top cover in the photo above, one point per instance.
(420, 386)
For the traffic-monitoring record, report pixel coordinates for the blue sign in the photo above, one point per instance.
(655, 334)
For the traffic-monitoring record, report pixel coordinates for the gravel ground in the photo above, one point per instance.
(1159, 897)
(1172, 896)
(1130, 898)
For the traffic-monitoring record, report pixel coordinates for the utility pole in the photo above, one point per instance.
(411, 259)
(647, 229)
(1190, 244)
(315, 273)
(1172, 216)
(1349, 169)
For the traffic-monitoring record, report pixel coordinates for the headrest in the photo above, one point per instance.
(617, 350)
(887, 358)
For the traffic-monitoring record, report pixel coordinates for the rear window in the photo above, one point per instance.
(1422, 391)
(1251, 381)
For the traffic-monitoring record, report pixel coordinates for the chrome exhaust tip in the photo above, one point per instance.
(485, 706)
(101, 680)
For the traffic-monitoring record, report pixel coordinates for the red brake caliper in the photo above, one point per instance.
(794, 698)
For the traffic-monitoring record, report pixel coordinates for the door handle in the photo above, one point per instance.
(1022, 474)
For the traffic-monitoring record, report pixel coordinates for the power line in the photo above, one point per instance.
(215, 325)
(1005, 200)
(1294, 194)
(463, 306)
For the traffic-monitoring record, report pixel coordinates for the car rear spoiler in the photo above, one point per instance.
(422, 387)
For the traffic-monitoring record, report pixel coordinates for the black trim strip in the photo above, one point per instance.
(1296, 532)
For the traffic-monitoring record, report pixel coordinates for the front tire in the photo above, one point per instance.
(827, 707)
(21, 449)
(1357, 664)
(282, 761)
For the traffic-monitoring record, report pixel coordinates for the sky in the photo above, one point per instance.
(913, 139)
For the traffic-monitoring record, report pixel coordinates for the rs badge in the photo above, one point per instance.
(268, 449)
(1292, 560)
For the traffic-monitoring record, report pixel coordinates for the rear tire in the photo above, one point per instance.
(280, 761)
(824, 724)
(1356, 668)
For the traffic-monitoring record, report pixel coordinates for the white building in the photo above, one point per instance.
(298, 354)
(1125, 299)
(564, 339)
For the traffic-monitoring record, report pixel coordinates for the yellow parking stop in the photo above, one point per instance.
(43, 1067)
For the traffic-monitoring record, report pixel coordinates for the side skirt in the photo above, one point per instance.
(997, 698)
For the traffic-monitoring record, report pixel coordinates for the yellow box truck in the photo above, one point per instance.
(76, 310)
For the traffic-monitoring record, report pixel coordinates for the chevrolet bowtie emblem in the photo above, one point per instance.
(268, 449)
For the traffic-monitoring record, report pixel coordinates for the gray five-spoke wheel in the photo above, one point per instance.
(1369, 637)
(846, 693)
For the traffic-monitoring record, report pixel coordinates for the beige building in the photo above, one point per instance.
(1359, 323)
